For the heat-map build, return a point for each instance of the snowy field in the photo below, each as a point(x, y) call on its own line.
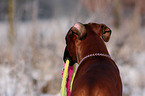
point(32, 65)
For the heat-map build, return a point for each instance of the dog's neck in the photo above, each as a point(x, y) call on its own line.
point(98, 47)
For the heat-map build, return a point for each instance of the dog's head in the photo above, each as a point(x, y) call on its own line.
point(79, 33)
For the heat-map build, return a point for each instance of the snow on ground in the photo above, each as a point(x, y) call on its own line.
point(32, 67)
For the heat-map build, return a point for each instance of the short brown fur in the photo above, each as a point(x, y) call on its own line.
point(98, 75)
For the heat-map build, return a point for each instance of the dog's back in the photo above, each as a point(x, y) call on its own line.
point(97, 76)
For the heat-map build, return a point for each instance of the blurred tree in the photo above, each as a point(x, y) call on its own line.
point(116, 13)
point(34, 12)
point(11, 4)
point(34, 30)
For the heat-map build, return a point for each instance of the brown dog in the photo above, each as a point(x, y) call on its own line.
point(97, 74)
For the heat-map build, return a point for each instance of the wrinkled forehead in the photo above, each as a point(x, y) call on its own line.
point(92, 27)
point(89, 27)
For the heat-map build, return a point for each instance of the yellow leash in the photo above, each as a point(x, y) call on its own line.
point(73, 75)
point(64, 79)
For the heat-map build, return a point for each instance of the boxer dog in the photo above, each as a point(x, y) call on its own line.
point(97, 74)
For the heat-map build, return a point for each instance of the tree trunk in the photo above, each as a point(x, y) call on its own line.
point(11, 4)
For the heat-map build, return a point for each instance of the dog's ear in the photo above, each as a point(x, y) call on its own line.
point(106, 32)
point(80, 30)
point(67, 56)
point(102, 30)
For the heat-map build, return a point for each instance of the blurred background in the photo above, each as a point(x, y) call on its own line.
point(32, 42)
